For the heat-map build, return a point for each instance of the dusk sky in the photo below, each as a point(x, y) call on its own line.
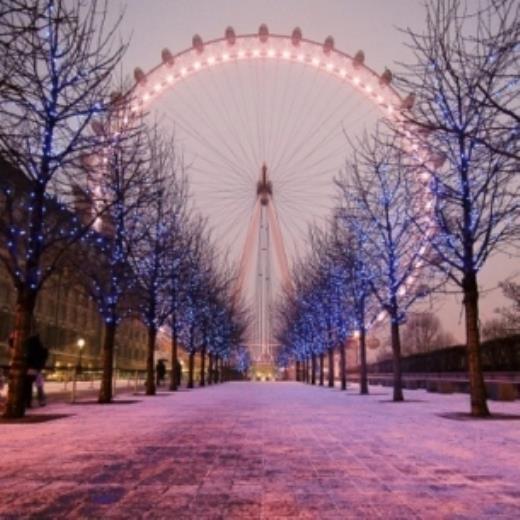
point(368, 25)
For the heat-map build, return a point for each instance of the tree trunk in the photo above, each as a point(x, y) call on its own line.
point(191, 368)
point(322, 368)
point(174, 384)
point(16, 398)
point(150, 373)
point(343, 366)
point(363, 377)
point(210, 368)
point(105, 391)
point(313, 369)
point(298, 371)
point(479, 407)
point(331, 367)
point(203, 366)
point(396, 350)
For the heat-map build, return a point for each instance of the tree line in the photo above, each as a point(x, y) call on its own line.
point(424, 201)
point(101, 193)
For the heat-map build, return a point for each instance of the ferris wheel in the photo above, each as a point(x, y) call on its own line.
point(262, 121)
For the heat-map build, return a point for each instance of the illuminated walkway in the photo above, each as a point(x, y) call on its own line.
point(271, 450)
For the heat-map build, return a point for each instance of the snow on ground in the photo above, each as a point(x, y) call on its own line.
point(263, 450)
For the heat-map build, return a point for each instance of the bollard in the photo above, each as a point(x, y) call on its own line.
point(136, 381)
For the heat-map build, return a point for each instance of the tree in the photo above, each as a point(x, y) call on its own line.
point(381, 207)
point(423, 332)
point(59, 64)
point(126, 185)
point(476, 194)
point(356, 271)
point(151, 260)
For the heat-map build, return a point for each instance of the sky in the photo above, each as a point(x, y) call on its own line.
point(370, 25)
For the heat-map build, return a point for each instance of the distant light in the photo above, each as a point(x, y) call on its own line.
point(316, 62)
point(197, 65)
point(211, 60)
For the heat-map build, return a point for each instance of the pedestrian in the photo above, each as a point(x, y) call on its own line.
point(36, 357)
point(160, 371)
point(40, 390)
point(178, 372)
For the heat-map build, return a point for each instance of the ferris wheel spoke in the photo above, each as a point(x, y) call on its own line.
point(305, 101)
point(330, 126)
point(226, 114)
point(246, 119)
point(230, 165)
point(207, 124)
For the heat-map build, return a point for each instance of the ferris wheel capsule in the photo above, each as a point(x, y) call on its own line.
point(231, 37)
point(408, 102)
point(167, 57)
point(198, 44)
point(359, 59)
point(296, 36)
point(386, 78)
point(328, 45)
point(139, 75)
point(263, 33)
point(97, 127)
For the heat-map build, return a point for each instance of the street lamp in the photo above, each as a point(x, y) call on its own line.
point(81, 344)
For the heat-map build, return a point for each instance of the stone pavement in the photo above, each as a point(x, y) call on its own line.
point(263, 451)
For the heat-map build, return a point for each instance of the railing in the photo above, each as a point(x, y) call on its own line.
point(70, 382)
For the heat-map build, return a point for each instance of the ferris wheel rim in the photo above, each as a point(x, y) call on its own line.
point(143, 91)
point(148, 88)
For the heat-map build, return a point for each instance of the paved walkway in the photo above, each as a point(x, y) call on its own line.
point(262, 451)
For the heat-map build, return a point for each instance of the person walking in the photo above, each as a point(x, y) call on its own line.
point(36, 357)
point(160, 372)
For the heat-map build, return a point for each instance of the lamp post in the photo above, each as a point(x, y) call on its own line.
point(81, 344)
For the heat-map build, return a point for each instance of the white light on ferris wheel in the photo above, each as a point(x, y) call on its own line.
point(343, 73)
point(225, 57)
point(197, 65)
point(330, 66)
point(271, 53)
point(211, 60)
point(256, 53)
point(316, 62)
point(286, 55)
point(169, 78)
point(301, 57)
point(241, 54)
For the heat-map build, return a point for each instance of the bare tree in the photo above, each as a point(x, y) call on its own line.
point(151, 261)
point(125, 185)
point(382, 200)
point(356, 271)
point(59, 62)
point(423, 332)
point(476, 191)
